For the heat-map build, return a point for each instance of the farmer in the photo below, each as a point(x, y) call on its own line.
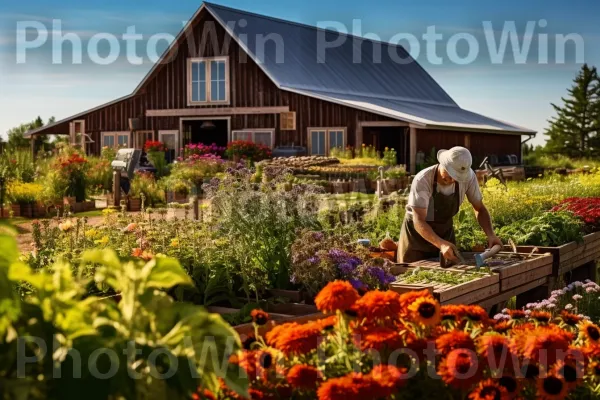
point(435, 197)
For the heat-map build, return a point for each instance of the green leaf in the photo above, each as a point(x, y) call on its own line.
point(168, 273)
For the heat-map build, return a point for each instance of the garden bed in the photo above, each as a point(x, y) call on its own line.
point(473, 286)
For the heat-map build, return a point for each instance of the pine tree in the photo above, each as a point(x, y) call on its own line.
point(575, 130)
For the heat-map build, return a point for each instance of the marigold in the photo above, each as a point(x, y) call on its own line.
point(454, 340)
point(489, 390)
point(378, 338)
point(552, 387)
point(259, 317)
point(337, 295)
point(389, 377)
point(303, 376)
point(354, 386)
point(541, 316)
point(406, 299)
point(496, 350)
point(293, 338)
point(460, 369)
point(378, 304)
point(589, 332)
point(425, 311)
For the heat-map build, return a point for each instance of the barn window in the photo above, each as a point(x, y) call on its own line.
point(258, 136)
point(288, 121)
point(322, 140)
point(115, 140)
point(208, 80)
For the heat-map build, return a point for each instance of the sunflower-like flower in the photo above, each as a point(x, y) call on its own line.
point(452, 312)
point(460, 369)
point(569, 318)
point(541, 316)
point(454, 340)
point(254, 362)
point(354, 386)
point(425, 311)
point(512, 385)
point(337, 295)
point(517, 314)
point(489, 390)
point(476, 314)
point(551, 340)
point(377, 304)
point(589, 333)
point(406, 299)
point(552, 387)
point(378, 338)
point(303, 376)
point(496, 350)
point(259, 317)
point(571, 370)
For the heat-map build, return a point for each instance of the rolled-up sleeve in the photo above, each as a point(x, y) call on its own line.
point(420, 193)
point(473, 191)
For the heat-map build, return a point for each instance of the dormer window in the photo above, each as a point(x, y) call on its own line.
point(208, 80)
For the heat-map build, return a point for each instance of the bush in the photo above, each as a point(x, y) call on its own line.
point(548, 229)
point(248, 151)
point(145, 184)
point(24, 193)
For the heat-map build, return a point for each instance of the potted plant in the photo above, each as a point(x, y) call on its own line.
point(144, 185)
point(397, 177)
point(25, 196)
point(157, 155)
point(71, 169)
point(245, 150)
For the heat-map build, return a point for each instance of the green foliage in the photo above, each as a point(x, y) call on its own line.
point(158, 160)
point(145, 184)
point(467, 230)
point(17, 165)
point(574, 131)
point(548, 229)
point(418, 275)
point(23, 193)
point(146, 332)
point(396, 172)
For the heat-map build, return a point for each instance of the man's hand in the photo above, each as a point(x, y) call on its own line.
point(494, 240)
point(449, 251)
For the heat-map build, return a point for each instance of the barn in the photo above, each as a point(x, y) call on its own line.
point(235, 75)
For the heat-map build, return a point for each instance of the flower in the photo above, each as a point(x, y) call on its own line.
point(389, 377)
point(517, 314)
point(175, 242)
point(303, 376)
point(378, 304)
point(131, 227)
point(569, 307)
point(259, 317)
point(495, 348)
point(577, 297)
point(379, 338)
point(143, 254)
point(354, 386)
point(476, 314)
point(460, 369)
point(426, 311)
point(569, 319)
point(511, 385)
point(551, 340)
point(541, 316)
point(454, 340)
point(293, 338)
point(203, 394)
point(589, 332)
point(488, 390)
point(65, 226)
point(552, 387)
point(337, 295)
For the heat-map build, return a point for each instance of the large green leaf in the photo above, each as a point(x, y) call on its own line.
point(166, 274)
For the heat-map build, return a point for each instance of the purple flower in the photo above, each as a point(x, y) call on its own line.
point(318, 235)
point(346, 268)
point(314, 260)
point(357, 284)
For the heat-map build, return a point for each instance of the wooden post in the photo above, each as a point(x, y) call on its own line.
point(117, 188)
point(413, 150)
point(32, 142)
point(468, 141)
point(358, 135)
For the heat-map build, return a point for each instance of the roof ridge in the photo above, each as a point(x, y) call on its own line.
point(306, 26)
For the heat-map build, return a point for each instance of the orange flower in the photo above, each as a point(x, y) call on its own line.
point(571, 371)
point(541, 316)
point(496, 350)
point(589, 332)
point(378, 304)
point(303, 376)
point(452, 312)
point(292, 338)
point(425, 311)
point(489, 390)
point(203, 395)
point(354, 386)
point(454, 340)
point(337, 295)
point(549, 339)
point(517, 314)
point(259, 317)
point(552, 387)
point(144, 255)
point(378, 338)
point(476, 314)
point(406, 299)
point(254, 362)
point(502, 326)
point(389, 377)
point(460, 369)
point(569, 319)
point(511, 384)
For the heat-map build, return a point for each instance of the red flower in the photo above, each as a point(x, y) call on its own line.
point(259, 317)
point(489, 390)
point(303, 376)
point(454, 340)
point(379, 338)
point(460, 369)
point(337, 295)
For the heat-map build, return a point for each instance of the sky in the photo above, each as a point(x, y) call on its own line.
point(47, 79)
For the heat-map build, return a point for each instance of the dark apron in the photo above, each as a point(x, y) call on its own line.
point(413, 247)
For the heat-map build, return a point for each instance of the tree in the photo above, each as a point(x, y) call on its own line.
point(575, 130)
point(16, 136)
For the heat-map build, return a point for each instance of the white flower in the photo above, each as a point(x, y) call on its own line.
point(590, 290)
point(569, 307)
point(577, 297)
point(505, 311)
point(527, 312)
point(578, 284)
point(551, 306)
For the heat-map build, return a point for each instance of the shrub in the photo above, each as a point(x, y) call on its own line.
point(548, 229)
point(395, 172)
point(24, 193)
point(248, 150)
point(145, 184)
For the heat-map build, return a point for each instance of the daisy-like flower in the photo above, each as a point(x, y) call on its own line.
point(541, 316)
point(425, 311)
point(589, 332)
point(552, 387)
point(303, 376)
point(259, 317)
point(389, 377)
point(577, 297)
point(553, 341)
point(569, 307)
point(454, 340)
point(476, 314)
point(460, 369)
point(337, 295)
point(571, 370)
point(569, 319)
point(65, 226)
point(517, 314)
point(378, 304)
point(488, 390)
point(495, 349)
point(379, 338)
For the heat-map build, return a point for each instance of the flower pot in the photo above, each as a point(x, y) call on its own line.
point(134, 204)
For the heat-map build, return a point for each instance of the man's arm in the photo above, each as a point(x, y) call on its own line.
point(485, 221)
point(447, 249)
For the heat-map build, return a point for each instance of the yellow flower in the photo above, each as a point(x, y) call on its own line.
point(91, 233)
point(108, 211)
point(175, 243)
point(102, 241)
point(65, 226)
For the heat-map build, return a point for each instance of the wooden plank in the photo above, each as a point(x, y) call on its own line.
point(523, 266)
point(405, 288)
point(380, 124)
point(472, 286)
point(592, 237)
point(199, 112)
point(475, 296)
point(528, 276)
point(505, 295)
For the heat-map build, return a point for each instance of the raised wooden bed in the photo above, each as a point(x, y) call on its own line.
point(571, 255)
point(464, 293)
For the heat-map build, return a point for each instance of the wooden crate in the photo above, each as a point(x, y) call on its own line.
point(465, 293)
point(571, 255)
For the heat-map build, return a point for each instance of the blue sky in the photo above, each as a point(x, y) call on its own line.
point(518, 93)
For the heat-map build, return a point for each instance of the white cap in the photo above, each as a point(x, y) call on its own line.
point(457, 161)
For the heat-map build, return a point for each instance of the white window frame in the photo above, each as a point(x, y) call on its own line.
point(207, 65)
point(116, 135)
point(170, 132)
point(253, 132)
point(327, 131)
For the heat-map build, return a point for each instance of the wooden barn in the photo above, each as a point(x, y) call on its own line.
point(233, 75)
